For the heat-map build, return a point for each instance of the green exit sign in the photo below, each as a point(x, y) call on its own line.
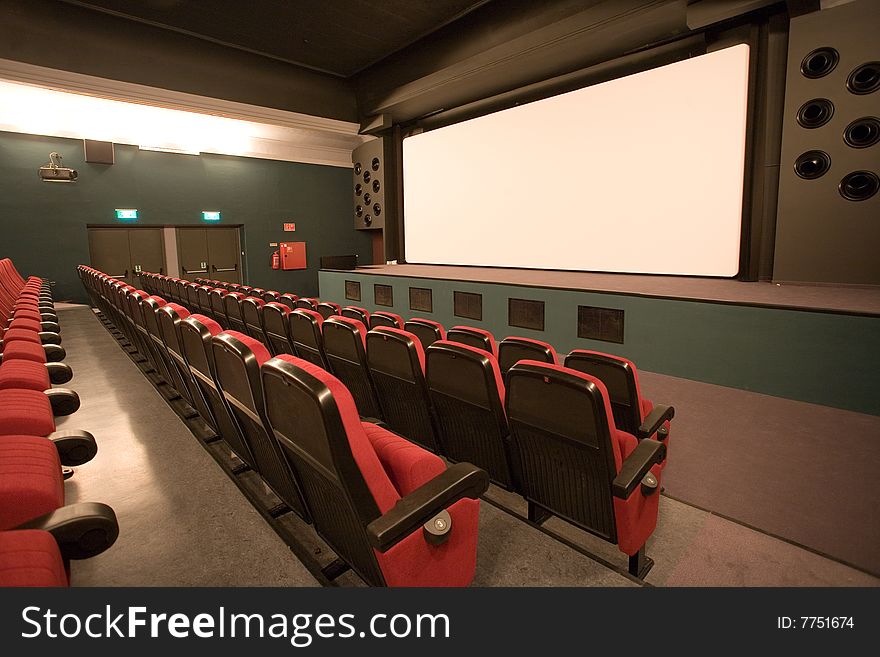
point(210, 215)
point(126, 214)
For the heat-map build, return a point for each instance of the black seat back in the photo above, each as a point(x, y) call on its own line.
point(511, 350)
point(344, 346)
point(467, 393)
point(288, 299)
point(382, 318)
point(561, 433)
point(328, 309)
point(218, 312)
point(238, 358)
point(426, 330)
point(252, 314)
point(397, 361)
point(619, 377)
point(196, 332)
point(232, 308)
point(305, 334)
point(311, 414)
point(359, 314)
point(276, 328)
point(473, 337)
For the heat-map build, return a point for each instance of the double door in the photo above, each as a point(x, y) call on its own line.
point(209, 253)
point(125, 252)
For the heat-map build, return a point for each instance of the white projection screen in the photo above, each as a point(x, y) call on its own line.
point(642, 174)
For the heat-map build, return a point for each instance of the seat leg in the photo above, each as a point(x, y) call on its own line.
point(538, 514)
point(640, 564)
point(334, 569)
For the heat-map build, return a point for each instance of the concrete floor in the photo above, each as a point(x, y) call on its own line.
point(183, 522)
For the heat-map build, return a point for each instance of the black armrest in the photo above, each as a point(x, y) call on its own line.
point(377, 422)
point(74, 446)
point(64, 401)
point(636, 466)
point(54, 327)
point(49, 337)
point(411, 512)
point(655, 419)
point(59, 372)
point(54, 352)
point(48, 316)
point(46, 305)
point(81, 530)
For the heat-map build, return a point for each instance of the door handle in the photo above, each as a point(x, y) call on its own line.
point(233, 268)
point(125, 275)
point(191, 271)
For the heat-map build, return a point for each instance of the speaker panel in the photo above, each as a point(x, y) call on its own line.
point(370, 184)
point(827, 229)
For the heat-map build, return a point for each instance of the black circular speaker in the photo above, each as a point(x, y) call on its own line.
point(812, 165)
point(375, 164)
point(368, 199)
point(859, 185)
point(864, 79)
point(819, 62)
point(376, 186)
point(377, 209)
point(358, 168)
point(366, 176)
point(359, 211)
point(358, 189)
point(863, 132)
point(815, 113)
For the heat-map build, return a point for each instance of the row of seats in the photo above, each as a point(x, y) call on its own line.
point(392, 511)
point(39, 534)
point(451, 399)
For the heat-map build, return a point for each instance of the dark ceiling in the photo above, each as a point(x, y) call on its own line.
point(341, 37)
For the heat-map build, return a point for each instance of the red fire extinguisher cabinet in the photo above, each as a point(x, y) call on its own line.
point(293, 255)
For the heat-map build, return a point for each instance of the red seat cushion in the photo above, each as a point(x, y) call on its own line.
point(11, 335)
point(25, 323)
point(25, 411)
point(30, 557)
point(24, 349)
point(29, 314)
point(31, 484)
point(24, 374)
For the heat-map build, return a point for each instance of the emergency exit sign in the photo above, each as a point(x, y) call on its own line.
point(289, 228)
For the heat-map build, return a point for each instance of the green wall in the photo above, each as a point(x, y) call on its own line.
point(823, 358)
point(43, 225)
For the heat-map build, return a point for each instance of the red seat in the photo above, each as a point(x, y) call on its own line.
point(426, 330)
point(397, 365)
point(390, 509)
point(382, 318)
point(610, 481)
point(354, 312)
point(467, 393)
point(512, 349)
point(345, 348)
point(24, 374)
point(237, 359)
point(632, 413)
point(31, 484)
point(473, 337)
point(25, 412)
point(306, 336)
point(30, 557)
point(328, 309)
point(196, 333)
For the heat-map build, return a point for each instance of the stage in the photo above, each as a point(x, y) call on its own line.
point(812, 343)
point(856, 300)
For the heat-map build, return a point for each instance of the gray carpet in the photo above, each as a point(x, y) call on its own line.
point(800, 471)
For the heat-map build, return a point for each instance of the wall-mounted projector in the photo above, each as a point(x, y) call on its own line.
point(54, 172)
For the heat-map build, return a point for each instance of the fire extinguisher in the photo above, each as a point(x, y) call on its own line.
point(276, 260)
